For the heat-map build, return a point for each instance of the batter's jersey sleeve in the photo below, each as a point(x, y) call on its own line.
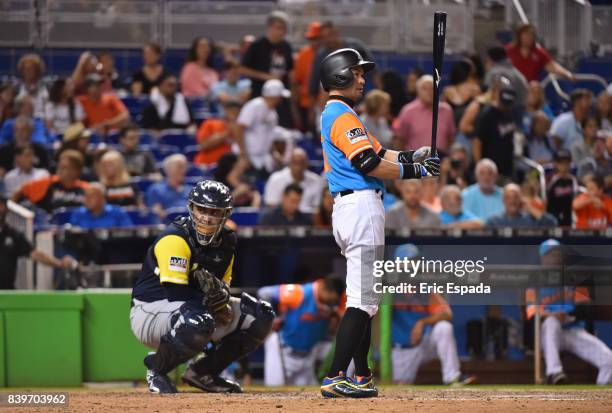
point(348, 134)
point(343, 136)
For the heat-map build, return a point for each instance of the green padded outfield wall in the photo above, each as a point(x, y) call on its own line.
point(42, 338)
point(110, 350)
point(51, 339)
point(2, 354)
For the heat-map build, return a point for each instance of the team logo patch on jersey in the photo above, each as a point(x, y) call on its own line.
point(178, 264)
point(356, 134)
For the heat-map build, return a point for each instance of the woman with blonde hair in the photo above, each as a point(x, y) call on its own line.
point(114, 176)
point(377, 110)
point(31, 69)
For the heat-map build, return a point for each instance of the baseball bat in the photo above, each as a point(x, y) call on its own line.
point(439, 36)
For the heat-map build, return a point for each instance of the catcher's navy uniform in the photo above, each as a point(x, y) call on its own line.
point(181, 301)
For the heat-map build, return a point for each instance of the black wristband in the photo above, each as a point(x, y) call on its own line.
point(405, 156)
point(382, 152)
point(411, 171)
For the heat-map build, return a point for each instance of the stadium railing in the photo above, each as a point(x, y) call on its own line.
point(561, 97)
point(391, 25)
point(22, 219)
point(563, 25)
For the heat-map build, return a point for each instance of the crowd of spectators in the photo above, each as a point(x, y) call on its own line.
point(74, 143)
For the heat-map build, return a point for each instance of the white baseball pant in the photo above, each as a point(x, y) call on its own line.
point(150, 321)
point(282, 367)
point(578, 341)
point(440, 343)
point(358, 222)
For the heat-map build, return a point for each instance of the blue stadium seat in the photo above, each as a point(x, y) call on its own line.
point(135, 105)
point(177, 138)
point(143, 217)
point(174, 213)
point(191, 151)
point(312, 147)
point(203, 108)
point(245, 216)
point(62, 216)
point(95, 139)
point(146, 138)
point(161, 151)
point(113, 138)
point(192, 180)
point(143, 183)
point(194, 171)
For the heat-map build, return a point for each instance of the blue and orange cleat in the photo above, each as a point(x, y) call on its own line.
point(342, 386)
point(366, 382)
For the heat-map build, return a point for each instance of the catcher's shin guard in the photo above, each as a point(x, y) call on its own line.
point(190, 333)
point(239, 343)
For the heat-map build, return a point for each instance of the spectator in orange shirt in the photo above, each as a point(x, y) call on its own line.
point(302, 70)
point(216, 136)
point(62, 190)
point(593, 209)
point(102, 112)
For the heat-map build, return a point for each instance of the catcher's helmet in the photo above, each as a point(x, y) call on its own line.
point(210, 204)
point(336, 68)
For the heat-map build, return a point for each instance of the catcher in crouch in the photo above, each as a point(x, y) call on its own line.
point(181, 301)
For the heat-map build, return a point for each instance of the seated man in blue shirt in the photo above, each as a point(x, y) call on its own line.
point(96, 213)
point(25, 107)
point(484, 198)
point(519, 212)
point(452, 214)
point(172, 192)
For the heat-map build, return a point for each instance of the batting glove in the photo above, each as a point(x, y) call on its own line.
point(414, 156)
point(429, 167)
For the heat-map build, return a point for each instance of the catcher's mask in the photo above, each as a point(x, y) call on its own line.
point(209, 207)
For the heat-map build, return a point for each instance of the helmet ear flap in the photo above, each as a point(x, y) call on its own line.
point(344, 78)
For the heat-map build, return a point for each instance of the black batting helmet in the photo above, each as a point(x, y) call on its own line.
point(210, 204)
point(336, 68)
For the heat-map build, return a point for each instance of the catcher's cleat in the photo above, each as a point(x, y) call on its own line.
point(366, 382)
point(342, 386)
point(210, 383)
point(160, 383)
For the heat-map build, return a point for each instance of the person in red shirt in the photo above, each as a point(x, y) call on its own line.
point(530, 58)
point(302, 71)
point(216, 136)
point(103, 112)
point(593, 209)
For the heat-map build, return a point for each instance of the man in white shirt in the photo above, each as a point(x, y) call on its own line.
point(296, 172)
point(257, 122)
point(24, 170)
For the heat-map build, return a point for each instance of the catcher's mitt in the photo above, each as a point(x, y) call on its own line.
point(216, 292)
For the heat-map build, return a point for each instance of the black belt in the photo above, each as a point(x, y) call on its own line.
point(350, 191)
